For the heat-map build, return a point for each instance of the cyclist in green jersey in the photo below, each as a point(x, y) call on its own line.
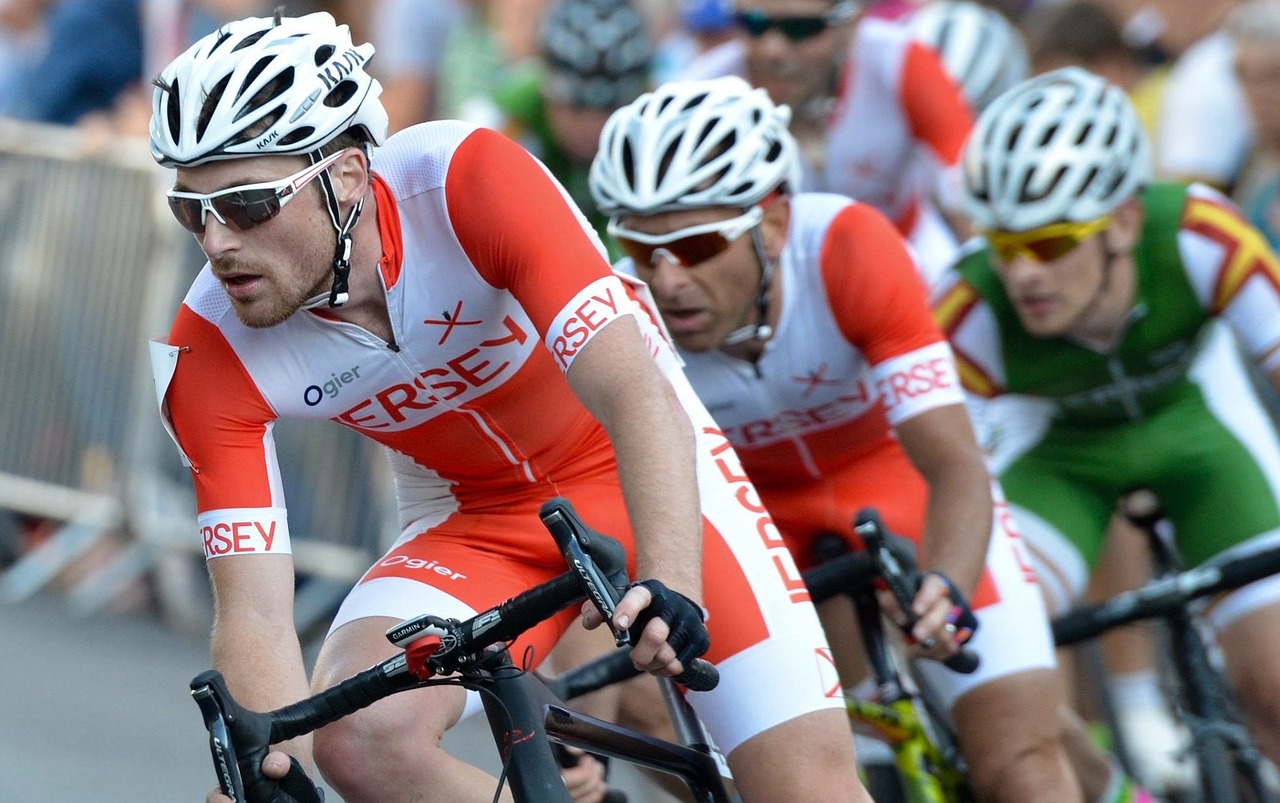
point(1100, 307)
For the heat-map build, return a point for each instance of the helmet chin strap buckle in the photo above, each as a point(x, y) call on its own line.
point(339, 293)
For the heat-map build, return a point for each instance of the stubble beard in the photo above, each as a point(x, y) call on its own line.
point(278, 302)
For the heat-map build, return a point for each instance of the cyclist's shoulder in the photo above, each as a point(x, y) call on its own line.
point(417, 158)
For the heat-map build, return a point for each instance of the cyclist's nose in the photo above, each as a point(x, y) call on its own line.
point(669, 276)
point(218, 238)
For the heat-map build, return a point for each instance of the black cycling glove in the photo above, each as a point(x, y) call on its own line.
point(294, 787)
point(961, 621)
point(684, 618)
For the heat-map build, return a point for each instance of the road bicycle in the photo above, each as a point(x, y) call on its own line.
point(1231, 768)
point(904, 714)
point(524, 714)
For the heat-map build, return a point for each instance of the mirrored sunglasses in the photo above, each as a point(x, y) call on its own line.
point(1046, 243)
point(245, 206)
point(796, 29)
point(687, 247)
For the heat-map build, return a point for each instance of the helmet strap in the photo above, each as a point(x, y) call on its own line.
point(339, 293)
point(760, 330)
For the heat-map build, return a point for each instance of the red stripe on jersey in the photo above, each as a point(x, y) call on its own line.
point(220, 418)
point(876, 293)
point(389, 230)
point(935, 105)
point(1245, 251)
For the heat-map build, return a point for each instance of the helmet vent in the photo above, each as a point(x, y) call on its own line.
point(248, 41)
point(171, 111)
point(297, 135)
point(223, 36)
point(253, 74)
point(258, 128)
point(628, 163)
point(324, 53)
point(340, 94)
point(1083, 136)
point(211, 102)
point(272, 90)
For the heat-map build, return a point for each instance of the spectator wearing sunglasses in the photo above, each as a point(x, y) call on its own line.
point(876, 114)
point(437, 292)
point(806, 330)
point(1097, 310)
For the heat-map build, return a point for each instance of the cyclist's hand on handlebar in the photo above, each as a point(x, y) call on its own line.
point(666, 627)
point(943, 620)
point(294, 785)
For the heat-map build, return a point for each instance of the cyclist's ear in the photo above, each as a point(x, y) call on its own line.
point(774, 225)
point(1126, 226)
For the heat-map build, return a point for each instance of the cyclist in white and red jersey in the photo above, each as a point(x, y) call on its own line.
point(1100, 305)
point(876, 114)
point(439, 294)
point(807, 333)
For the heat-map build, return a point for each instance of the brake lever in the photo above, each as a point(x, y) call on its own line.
point(599, 561)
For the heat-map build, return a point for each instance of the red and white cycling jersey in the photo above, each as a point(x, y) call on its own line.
point(855, 353)
point(896, 105)
point(494, 284)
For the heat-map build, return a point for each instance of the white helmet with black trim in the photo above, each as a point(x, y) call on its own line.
point(979, 47)
point(1064, 146)
point(694, 144)
point(261, 86)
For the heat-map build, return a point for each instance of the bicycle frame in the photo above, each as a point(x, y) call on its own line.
point(1220, 741)
point(523, 712)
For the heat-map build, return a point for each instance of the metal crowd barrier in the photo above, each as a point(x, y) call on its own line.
point(91, 267)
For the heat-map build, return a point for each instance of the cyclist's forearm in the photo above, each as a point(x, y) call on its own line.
point(262, 663)
point(958, 525)
point(656, 466)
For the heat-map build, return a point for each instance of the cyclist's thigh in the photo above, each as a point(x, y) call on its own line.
point(766, 641)
point(1013, 636)
point(1220, 483)
point(1061, 517)
point(472, 561)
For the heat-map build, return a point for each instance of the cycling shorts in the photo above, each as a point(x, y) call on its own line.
point(766, 640)
point(1211, 455)
point(1013, 633)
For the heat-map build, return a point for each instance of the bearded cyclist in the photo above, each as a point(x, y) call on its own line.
point(444, 282)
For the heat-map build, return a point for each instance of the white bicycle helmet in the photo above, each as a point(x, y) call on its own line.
point(263, 86)
point(1064, 146)
point(598, 53)
point(694, 144)
point(981, 49)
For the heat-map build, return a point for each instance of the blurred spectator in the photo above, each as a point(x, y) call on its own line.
point(1203, 130)
point(875, 113)
point(980, 48)
point(81, 73)
point(411, 37)
point(22, 43)
point(596, 55)
point(1255, 28)
point(1085, 33)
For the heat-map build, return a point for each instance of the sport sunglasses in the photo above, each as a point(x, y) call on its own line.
point(688, 247)
point(245, 206)
point(796, 29)
point(1046, 243)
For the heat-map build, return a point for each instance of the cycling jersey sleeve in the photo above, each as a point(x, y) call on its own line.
point(936, 109)
point(1233, 270)
point(974, 336)
point(239, 497)
point(880, 304)
point(523, 234)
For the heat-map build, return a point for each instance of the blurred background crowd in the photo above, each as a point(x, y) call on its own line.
point(1205, 74)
